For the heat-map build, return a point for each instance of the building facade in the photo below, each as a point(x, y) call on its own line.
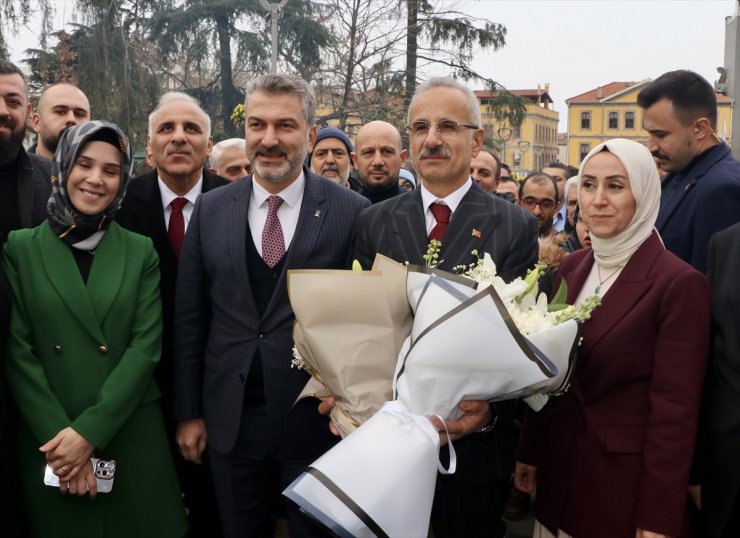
point(531, 145)
point(611, 111)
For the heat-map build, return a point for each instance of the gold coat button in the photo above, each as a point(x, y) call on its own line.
point(103, 349)
point(57, 349)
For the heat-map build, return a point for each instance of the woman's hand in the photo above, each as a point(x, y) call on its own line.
point(525, 477)
point(66, 453)
point(647, 534)
point(84, 482)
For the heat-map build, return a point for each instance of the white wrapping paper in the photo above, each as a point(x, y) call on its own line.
point(379, 481)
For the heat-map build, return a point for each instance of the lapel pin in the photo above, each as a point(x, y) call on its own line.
point(476, 233)
point(317, 213)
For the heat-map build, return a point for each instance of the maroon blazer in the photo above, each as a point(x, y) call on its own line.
point(613, 454)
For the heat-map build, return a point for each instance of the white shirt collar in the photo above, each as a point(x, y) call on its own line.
point(452, 200)
point(291, 195)
point(168, 195)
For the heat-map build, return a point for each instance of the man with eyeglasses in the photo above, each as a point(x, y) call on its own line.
point(539, 195)
point(444, 134)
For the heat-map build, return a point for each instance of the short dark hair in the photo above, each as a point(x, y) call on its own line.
point(691, 95)
point(506, 167)
point(538, 178)
point(9, 68)
point(557, 164)
point(504, 179)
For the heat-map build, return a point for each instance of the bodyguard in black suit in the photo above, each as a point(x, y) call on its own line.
point(719, 440)
point(234, 385)
point(179, 141)
point(444, 134)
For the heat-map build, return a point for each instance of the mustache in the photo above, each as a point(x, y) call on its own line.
point(7, 122)
point(658, 155)
point(178, 149)
point(273, 152)
point(330, 168)
point(434, 152)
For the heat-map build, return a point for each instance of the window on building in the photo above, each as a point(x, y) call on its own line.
point(585, 120)
point(629, 120)
point(613, 120)
point(585, 148)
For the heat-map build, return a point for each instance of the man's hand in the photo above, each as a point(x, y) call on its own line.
point(191, 439)
point(66, 453)
point(325, 407)
point(525, 477)
point(477, 415)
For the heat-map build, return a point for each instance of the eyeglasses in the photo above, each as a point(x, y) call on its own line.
point(545, 204)
point(445, 128)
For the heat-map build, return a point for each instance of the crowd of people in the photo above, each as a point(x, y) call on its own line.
point(145, 321)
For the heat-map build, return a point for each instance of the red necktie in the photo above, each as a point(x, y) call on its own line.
point(176, 228)
point(273, 243)
point(441, 214)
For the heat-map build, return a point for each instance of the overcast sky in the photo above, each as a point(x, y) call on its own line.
point(577, 45)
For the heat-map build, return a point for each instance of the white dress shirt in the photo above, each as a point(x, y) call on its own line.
point(287, 214)
point(187, 209)
point(452, 200)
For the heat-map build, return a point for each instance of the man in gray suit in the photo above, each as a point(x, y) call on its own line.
point(234, 385)
point(444, 132)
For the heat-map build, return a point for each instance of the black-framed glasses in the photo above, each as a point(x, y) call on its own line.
point(545, 203)
point(446, 128)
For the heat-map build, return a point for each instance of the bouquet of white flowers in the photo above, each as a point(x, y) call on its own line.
point(473, 337)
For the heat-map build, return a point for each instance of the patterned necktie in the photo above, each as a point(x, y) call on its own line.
point(441, 214)
point(273, 243)
point(176, 227)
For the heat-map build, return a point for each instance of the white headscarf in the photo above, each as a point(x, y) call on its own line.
point(645, 183)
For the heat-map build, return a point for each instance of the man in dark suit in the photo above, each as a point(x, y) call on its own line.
point(445, 133)
point(179, 141)
point(25, 186)
point(701, 193)
point(720, 440)
point(234, 386)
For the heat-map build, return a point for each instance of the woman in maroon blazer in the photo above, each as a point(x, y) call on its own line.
point(611, 457)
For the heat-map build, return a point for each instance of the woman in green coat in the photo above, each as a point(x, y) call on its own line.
point(85, 336)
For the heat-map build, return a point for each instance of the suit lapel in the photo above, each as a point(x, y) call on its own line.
point(409, 225)
point(688, 182)
point(626, 291)
point(237, 237)
point(62, 271)
point(311, 218)
point(471, 225)
point(106, 274)
point(149, 215)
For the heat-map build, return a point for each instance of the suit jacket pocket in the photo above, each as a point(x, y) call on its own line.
point(625, 438)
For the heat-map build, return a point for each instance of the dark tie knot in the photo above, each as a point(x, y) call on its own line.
point(178, 203)
point(441, 212)
point(273, 204)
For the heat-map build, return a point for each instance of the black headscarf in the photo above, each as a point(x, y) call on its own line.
point(81, 231)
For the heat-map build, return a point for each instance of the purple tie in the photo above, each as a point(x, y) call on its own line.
point(441, 214)
point(273, 243)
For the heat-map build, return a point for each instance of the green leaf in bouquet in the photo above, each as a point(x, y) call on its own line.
point(562, 294)
point(532, 278)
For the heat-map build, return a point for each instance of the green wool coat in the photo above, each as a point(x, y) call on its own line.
point(83, 355)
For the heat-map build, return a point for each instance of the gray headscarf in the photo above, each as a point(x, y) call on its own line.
point(82, 231)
